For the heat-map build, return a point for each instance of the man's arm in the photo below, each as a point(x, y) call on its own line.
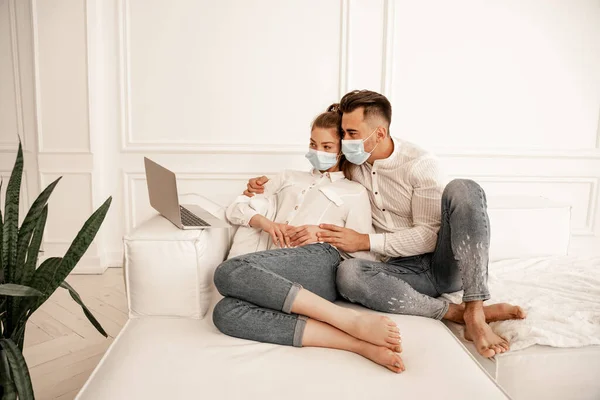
point(256, 186)
point(426, 204)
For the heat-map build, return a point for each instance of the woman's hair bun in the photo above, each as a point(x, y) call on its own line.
point(335, 107)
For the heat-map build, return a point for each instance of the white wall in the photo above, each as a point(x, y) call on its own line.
point(507, 93)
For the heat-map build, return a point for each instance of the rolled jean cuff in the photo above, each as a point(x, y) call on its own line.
point(299, 331)
point(443, 311)
point(476, 297)
point(290, 298)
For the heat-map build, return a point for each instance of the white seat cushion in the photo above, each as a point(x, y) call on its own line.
point(161, 358)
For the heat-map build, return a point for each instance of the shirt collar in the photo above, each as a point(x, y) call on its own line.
point(333, 176)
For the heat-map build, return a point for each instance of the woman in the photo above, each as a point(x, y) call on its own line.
point(283, 294)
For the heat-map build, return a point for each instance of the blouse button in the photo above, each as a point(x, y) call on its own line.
point(295, 208)
point(376, 192)
point(383, 209)
point(373, 172)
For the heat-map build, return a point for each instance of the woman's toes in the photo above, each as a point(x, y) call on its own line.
point(394, 340)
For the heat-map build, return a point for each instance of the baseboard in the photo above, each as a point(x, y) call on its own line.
point(112, 259)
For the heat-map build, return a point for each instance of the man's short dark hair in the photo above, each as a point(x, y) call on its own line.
point(373, 103)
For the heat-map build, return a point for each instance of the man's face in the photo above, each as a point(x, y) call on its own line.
point(355, 127)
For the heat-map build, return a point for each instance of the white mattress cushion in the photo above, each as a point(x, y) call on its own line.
point(162, 358)
point(543, 372)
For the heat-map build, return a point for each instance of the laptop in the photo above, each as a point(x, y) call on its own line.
point(162, 191)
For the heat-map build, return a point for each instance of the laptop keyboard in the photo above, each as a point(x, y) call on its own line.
point(190, 219)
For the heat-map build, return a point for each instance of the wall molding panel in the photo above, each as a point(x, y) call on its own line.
point(164, 100)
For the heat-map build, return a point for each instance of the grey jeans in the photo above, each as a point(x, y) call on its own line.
point(260, 288)
point(411, 285)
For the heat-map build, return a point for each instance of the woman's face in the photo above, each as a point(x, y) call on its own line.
point(325, 139)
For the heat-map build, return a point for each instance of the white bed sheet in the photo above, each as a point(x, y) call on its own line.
point(562, 297)
point(560, 294)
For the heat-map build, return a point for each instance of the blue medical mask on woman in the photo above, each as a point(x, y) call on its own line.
point(354, 150)
point(321, 160)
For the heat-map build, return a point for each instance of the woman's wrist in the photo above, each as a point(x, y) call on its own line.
point(259, 221)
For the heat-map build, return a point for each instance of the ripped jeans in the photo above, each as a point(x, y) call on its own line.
point(411, 285)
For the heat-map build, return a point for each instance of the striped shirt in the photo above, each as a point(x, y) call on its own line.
point(405, 191)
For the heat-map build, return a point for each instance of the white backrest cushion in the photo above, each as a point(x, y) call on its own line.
point(524, 227)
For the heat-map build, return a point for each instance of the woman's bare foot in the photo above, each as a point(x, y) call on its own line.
point(375, 329)
point(493, 313)
point(488, 344)
point(383, 356)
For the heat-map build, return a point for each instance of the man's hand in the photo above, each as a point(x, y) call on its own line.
point(303, 235)
point(255, 185)
point(344, 239)
point(279, 232)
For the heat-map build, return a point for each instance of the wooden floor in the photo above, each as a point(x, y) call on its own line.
point(61, 346)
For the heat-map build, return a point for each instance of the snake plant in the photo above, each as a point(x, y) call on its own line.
point(25, 286)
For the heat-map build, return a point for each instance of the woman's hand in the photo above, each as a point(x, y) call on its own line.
point(279, 232)
point(303, 235)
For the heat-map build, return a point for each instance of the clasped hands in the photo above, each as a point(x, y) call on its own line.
point(288, 236)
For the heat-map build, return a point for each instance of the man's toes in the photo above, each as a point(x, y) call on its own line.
point(521, 314)
point(394, 329)
point(397, 349)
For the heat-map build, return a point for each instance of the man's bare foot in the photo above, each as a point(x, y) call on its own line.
point(493, 313)
point(375, 329)
point(382, 356)
point(503, 312)
point(487, 343)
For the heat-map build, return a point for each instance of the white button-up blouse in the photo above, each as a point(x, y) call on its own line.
point(301, 198)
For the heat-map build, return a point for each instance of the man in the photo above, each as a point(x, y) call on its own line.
point(432, 240)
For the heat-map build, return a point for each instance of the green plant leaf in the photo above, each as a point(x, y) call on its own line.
point(28, 227)
point(40, 281)
point(75, 296)
point(8, 390)
point(2, 266)
point(78, 248)
point(10, 230)
point(18, 368)
point(34, 247)
point(32, 257)
point(11, 289)
point(11, 218)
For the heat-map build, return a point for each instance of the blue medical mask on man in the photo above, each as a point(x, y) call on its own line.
point(321, 160)
point(354, 150)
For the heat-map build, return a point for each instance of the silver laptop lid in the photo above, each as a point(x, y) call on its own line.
point(162, 191)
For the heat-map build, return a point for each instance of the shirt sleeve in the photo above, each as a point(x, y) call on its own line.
point(426, 204)
point(243, 208)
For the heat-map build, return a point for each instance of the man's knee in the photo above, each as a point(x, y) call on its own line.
point(224, 314)
point(464, 192)
point(348, 278)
